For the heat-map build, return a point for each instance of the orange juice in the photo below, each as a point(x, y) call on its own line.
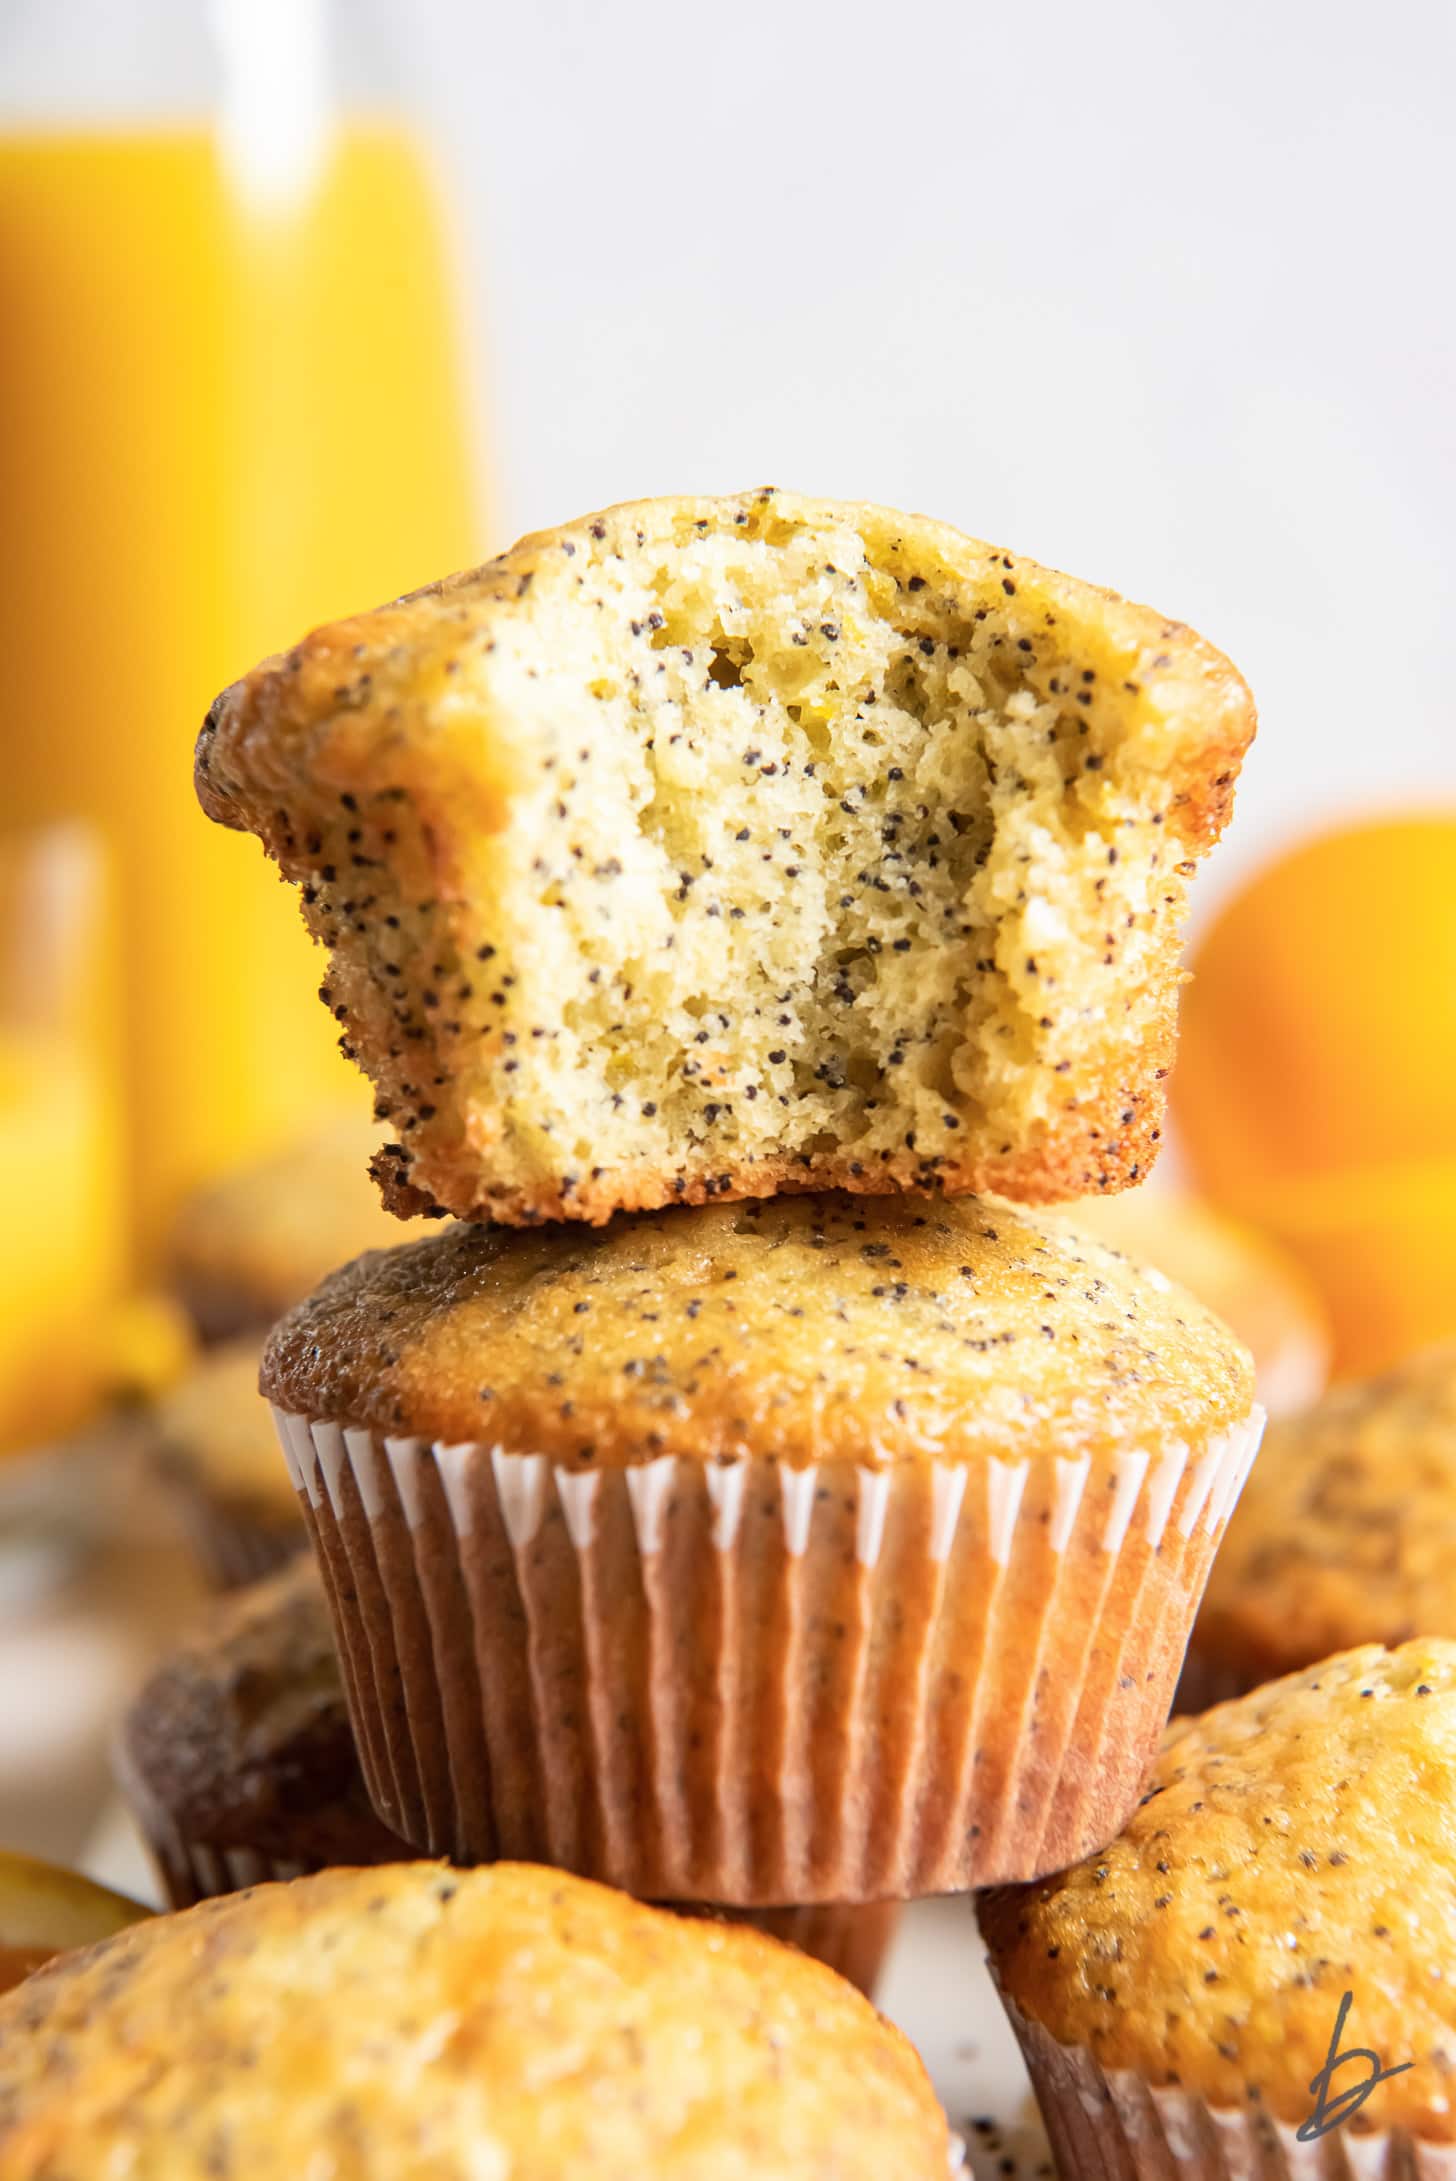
point(62, 1266)
point(222, 418)
point(58, 1277)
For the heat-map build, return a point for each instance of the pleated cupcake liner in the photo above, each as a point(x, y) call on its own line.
point(750, 1683)
point(1111, 2124)
point(190, 1869)
point(851, 1941)
point(191, 1872)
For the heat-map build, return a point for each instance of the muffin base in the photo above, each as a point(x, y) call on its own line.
point(1110, 2124)
point(851, 1941)
point(746, 1683)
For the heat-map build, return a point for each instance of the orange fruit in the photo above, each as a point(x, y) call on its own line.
point(45, 1910)
point(1319, 1031)
point(1380, 1246)
point(1315, 1092)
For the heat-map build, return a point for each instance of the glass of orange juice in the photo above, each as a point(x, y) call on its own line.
point(61, 1270)
point(230, 406)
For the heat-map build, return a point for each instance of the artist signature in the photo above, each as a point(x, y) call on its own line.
point(1333, 2111)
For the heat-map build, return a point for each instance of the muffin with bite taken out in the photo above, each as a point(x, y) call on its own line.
point(712, 848)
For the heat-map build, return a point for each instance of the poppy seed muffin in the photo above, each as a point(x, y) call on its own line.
point(255, 1241)
point(1348, 1534)
point(823, 1549)
point(1238, 1274)
point(717, 847)
point(460, 2026)
point(239, 1765)
point(1177, 1994)
point(213, 1444)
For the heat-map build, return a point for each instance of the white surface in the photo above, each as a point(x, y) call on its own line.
point(1157, 294)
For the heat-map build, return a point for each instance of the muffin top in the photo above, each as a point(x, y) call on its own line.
point(212, 1431)
point(1347, 1529)
point(473, 2024)
point(242, 1736)
point(1297, 1844)
point(804, 1328)
point(1258, 1291)
point(252, 1243)
point(713, 846)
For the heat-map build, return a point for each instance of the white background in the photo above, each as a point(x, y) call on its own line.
point(1161, 294)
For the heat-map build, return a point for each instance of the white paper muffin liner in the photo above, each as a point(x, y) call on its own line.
point(1111, 2124)
point(753, 1684)
point(851, 1941)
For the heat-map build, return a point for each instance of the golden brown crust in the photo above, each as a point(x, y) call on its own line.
point(1297, 1844)
point(802, 1329)
point(451, 2024)
point(1241, 1276)
point(367, 716)
point(1066, 1163)
point(1346, 1532)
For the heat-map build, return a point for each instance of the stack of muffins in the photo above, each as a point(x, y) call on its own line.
point(765, 1550)
point(740, 1504)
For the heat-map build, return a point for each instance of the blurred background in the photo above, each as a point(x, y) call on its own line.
point(301, 306)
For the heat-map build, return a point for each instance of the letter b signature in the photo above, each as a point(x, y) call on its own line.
point(1331, 2111)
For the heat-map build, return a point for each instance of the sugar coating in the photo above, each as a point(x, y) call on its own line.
point(454, 2026)
point(1296, 1844)
point(803, 1328)
point(716, 847)
point(1347, 1529)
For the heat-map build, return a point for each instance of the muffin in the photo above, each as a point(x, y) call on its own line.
point(828, 1549)
point(1243, 1278)
point(1178, 1995)
point(254, 1242)
point(460, 2026)
point(1347, 1534)
point(717, 847)
point(213, 1444)
point(237, 1759)
point(239, 1765)
point(852, 1940)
